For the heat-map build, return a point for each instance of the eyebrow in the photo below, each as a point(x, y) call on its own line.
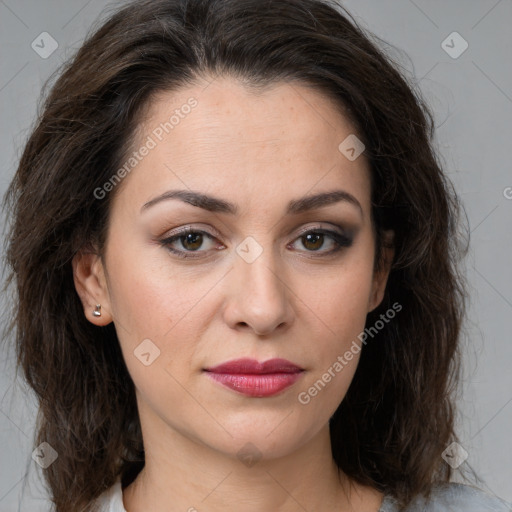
point(217, 205)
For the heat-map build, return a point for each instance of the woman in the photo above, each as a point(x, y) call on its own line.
point(235, 259)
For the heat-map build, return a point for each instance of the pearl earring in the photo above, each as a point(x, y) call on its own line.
point(97, 310)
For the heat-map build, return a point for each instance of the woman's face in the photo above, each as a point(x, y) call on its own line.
point(250, 282)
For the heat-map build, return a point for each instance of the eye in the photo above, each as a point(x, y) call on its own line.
point(314, 239)
point(192, 240)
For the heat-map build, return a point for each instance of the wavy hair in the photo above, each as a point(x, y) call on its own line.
point(398, 415)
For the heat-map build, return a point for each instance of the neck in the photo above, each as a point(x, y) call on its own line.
point(182, 474)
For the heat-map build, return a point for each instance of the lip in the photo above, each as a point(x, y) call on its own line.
point(251, 366)
point(251, 378)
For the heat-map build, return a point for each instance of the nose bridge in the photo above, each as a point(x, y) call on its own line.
point(258, 268)
point(261, 299)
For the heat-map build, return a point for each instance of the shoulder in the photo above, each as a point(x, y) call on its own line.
point(111, 500)
point(452, 497)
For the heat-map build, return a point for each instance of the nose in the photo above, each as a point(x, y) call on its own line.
point(259, 296)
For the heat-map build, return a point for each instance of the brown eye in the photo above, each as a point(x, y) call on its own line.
point(192, 241)
point(313, 241)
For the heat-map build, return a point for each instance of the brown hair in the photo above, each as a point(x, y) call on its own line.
point(398, 415)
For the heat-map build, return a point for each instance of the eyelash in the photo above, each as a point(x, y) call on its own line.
point(340, 240)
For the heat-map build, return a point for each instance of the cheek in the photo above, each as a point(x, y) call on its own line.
point(340, 298)
point(340, 305)
point(152, 300)
point(147, 296)
point(341, 311)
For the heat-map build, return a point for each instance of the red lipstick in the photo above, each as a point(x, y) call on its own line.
point(251, 378)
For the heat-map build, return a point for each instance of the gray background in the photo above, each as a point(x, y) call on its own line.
point(471, 96)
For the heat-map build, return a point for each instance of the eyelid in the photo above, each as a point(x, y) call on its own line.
point(320, 227)
point(338, 235)
point(205, 229)
point(211, 231)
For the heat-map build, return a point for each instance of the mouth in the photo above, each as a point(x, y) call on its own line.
point(254, 379)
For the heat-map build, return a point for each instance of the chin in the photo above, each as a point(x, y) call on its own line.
point(259, 440)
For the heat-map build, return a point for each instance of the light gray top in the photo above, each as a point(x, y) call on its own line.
point(451, 497)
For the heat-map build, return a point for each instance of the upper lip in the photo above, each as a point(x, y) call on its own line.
point(251, 366)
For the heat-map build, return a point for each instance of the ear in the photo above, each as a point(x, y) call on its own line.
point(91, 286)
point(380, 277)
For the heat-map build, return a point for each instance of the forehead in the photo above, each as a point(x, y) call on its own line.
point(287, 112)
point(224, 136)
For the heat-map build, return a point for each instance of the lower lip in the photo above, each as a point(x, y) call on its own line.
point(256, 385)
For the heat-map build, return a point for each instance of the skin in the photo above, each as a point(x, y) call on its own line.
point(294, 301)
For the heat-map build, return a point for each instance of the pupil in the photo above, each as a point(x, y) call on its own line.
point(192, 238)
point(195, 240)
point(318, 236)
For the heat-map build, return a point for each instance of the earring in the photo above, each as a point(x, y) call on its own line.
point(97, 310)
